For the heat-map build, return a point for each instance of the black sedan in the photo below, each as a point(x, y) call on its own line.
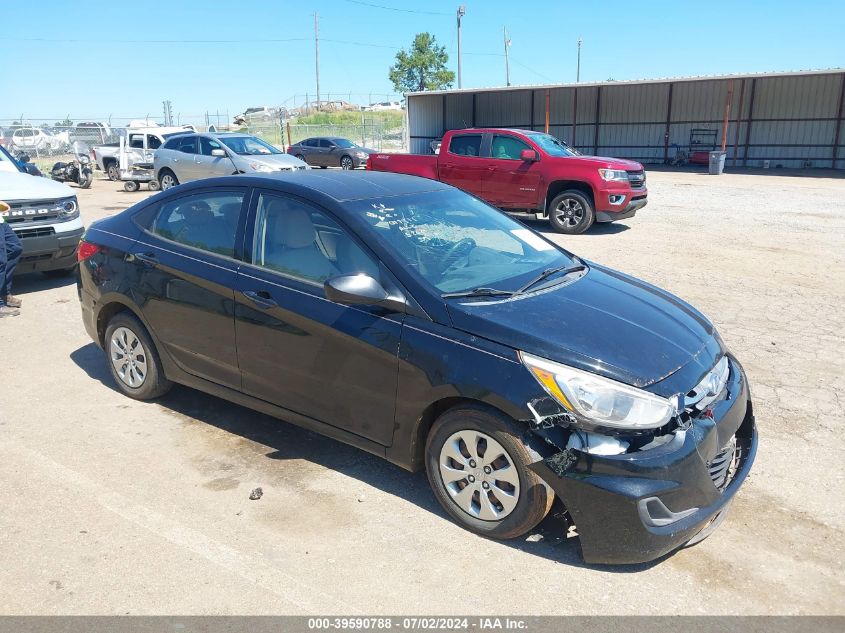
point(331, 151)
point(414, 321)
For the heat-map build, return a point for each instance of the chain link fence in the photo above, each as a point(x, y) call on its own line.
point(376, 134)
point(47, 140)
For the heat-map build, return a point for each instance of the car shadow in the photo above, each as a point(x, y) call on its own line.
point(599, 228)
point(26, 283)
point(286, 441)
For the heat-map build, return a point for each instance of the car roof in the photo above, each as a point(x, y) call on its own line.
point(340, 186)
point(486, 130)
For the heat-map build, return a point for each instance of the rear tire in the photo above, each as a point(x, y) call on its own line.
point(520, 507)
point(167, 179)
point(571, 212)
point(113, 171)
point(301, 157)
point(133, 360)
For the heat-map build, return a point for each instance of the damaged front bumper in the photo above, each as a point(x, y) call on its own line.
point(636, 507)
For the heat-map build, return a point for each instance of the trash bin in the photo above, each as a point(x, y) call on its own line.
point(717, 162)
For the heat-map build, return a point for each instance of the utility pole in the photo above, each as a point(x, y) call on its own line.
point(507, 59)
point(317, 53)
point(578, 68)
point(461, 12)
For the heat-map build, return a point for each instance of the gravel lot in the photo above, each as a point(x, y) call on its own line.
point(117, 506)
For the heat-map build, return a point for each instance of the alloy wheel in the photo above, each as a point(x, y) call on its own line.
point(479, 475)
point(128, 357)
point(346, 163)
point(569, 212)
point(167, 182)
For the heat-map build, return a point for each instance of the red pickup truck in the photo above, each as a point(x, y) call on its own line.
point(527, 172)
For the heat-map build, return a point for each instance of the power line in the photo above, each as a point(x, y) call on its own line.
point(380, 6)
point(124, 41)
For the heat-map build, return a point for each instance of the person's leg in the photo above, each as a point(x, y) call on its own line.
point(14, 249)
point(3, 263)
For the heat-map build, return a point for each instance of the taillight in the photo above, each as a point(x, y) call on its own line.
point(86, 250)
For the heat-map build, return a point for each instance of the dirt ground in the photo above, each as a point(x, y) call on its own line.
point(116, 506)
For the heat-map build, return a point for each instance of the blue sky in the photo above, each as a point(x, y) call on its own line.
point(111, 70)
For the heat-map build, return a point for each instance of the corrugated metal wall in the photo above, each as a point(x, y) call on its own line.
point(789, 121)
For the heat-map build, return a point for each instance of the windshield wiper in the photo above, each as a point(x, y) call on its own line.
point(478, 292)
point(548, 273)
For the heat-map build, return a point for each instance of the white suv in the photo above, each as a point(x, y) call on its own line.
point(44, 214)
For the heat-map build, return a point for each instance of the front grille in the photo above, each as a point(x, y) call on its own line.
point(32, 210)
point(726, 464)
point(40, 231)
point(636, 179)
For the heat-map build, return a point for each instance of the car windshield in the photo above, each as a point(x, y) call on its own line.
point(553, 146)
point(248, 145)
point(458, 243)
point(343, 143)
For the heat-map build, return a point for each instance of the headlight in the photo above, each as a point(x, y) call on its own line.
point(84, 160)
point(614, 174)
point(69, 208)
point(600, 401)
point(361, 154)
point(261, 167)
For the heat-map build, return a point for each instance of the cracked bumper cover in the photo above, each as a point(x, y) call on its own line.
point(612, 498)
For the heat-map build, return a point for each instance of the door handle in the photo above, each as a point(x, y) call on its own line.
point(148, 259)
point(261, 298)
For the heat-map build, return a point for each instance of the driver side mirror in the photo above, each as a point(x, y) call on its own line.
point(529, 155)
point(362, 290)
point(219, 153)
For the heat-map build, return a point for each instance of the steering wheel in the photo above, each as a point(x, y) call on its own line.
point(454, 252)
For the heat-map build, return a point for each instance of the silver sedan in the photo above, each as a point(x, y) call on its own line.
point(187, 157)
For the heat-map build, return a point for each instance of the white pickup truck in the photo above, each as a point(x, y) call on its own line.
point(45, 216)
point(106, 156)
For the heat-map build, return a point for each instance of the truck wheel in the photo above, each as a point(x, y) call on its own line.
point(571, 212)
point(133, 360)
point(113, 171)
point(131, 186)
point(476, 465)
point(153, 185)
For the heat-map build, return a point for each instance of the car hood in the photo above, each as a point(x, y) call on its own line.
point(273, 159)
point(604, 322)
point(604, 162)
point(20, 186)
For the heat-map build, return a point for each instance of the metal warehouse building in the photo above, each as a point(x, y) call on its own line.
point(775, 119)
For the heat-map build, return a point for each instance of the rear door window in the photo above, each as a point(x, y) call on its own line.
point(153, 142)
point(466, 145)
point(188, 144)
point(206, 220)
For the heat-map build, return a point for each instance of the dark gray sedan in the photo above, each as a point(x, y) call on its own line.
point(331, 151)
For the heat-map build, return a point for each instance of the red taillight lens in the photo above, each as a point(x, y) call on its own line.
point(86, 250)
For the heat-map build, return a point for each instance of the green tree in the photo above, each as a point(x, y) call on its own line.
point(423, 67)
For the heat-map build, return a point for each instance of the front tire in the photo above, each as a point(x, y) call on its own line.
point(167, 179)
point(571, 212)
point(86, 179)
point(476, 464)
point(133, 360)
point(347, 163)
